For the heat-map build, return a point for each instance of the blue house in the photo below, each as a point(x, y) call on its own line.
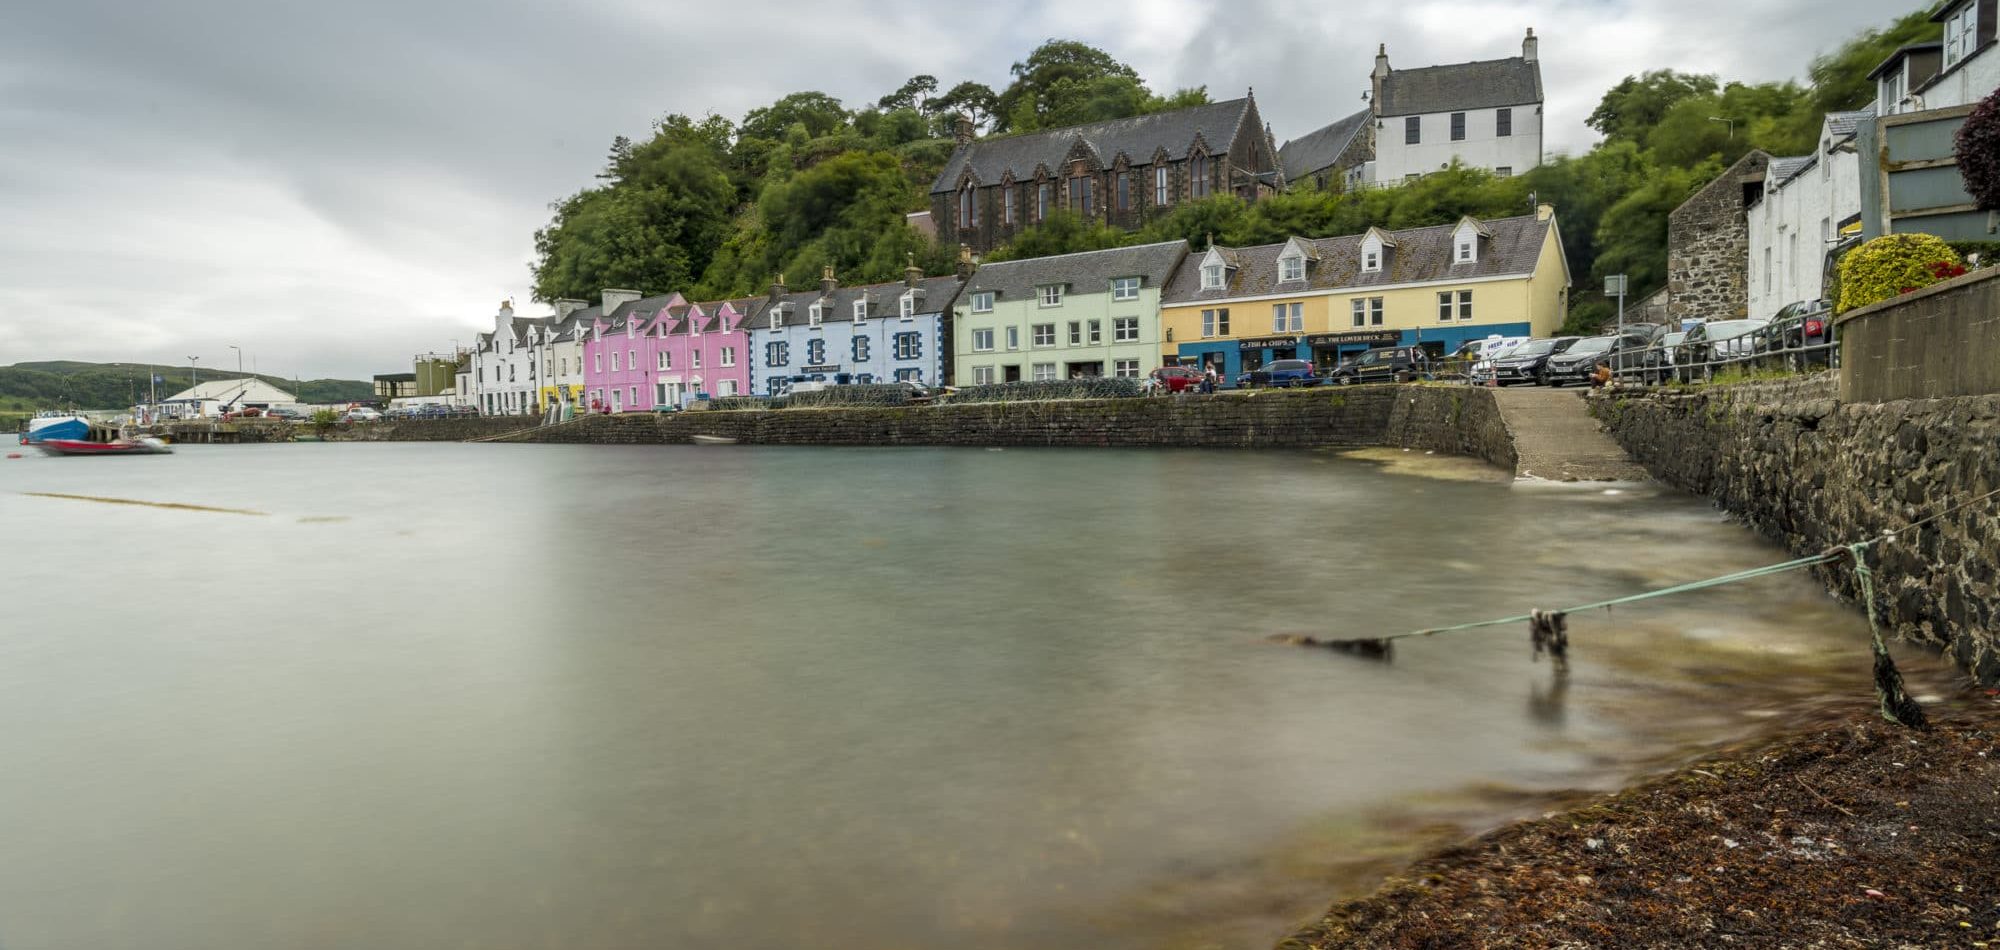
point(840, 336)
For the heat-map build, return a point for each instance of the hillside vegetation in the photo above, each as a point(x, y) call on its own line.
point(62, 384)
point(723, 207)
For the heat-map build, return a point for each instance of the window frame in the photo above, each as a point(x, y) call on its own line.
point(982, 302)
point(1119, 369)
point(1036, 334)
point(1036, 370)
point(727, 357)
point(1458, 127)
point(1120, 286)
point(1123, 330)
point(1465, 305)
point(988, 332)
point(1163, 192)
point(983, 375)
point(1413, 130)
point(860, 309)
point(1291, 268)
point(1503, 123)
point(1049, 295)
point(1447, 306)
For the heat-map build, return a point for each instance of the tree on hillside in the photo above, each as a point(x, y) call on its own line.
point(914, 94)
point(976, 101)
point(1068, 79)
point(1840, 79)
point(655, 227)
point(816, 112)
point(1629, 111)
point(1727, 126)
point(846, 212)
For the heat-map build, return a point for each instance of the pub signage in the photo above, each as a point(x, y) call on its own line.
point(1268, 342)
point(1372, 337)
point(827, 368)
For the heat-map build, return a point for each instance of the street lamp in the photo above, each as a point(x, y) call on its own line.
point(1731, 123)
point(194, 372)
point(239, 358)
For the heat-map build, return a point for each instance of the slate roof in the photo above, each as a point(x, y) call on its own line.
point(1842, 124)
point(1138, 138)
point(1318, 149)
point(1420, 255)
point(1486, 84)
point(935, 296)
point(1785, 169)
point(1084, 272)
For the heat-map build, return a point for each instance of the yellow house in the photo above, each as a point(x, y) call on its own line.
point(1326, 299)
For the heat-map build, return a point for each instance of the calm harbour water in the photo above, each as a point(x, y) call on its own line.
point(521, 696)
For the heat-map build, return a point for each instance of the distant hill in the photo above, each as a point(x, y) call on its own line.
point(25, 387)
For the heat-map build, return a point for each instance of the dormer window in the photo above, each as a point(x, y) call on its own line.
point(777, 317)
point(861, 310)
point(1465, 242)
point(908, 305)
point(813, 314)
point(1211, 276)
point(1467, 250)
point(1051, 295)
point(1292, 267)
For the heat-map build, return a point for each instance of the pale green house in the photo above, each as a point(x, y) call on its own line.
point(1094, 313)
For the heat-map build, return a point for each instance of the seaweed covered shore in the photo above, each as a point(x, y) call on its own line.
point(1857, 833)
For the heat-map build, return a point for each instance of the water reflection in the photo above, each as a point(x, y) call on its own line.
point(544, 696)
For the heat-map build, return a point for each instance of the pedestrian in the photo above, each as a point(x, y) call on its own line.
point(1208, 379)
point(1601, 377)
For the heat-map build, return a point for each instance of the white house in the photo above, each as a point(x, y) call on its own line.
point(218, 396)
point(1811, 204)
point(1968, 69)
point(1485, 114)
point(503, 367)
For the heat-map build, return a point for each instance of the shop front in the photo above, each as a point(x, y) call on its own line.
point(1329, 350)
point(1258, 352)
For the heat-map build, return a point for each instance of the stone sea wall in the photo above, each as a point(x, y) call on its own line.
point(1452, 419)
point(1813, 472)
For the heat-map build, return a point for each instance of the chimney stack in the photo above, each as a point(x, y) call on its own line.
point(613, 299)
point(826, 281)
point(1375, 78)
point(966, 265)
point(506, 308)
point(1544, 212)
point(1529, 48)
point(569, 305)
point(962, 129)
point(777, 288)
point(911, 272)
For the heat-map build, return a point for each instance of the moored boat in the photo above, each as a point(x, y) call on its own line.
point(55, 424)
point(144, 445)
point(711, 440)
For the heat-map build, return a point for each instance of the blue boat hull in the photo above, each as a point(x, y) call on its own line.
point(57, 427)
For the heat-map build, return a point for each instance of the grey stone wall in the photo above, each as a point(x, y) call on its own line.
point(1456, 420)
point(1942, 340)
point(1812, 473)
point(1708, 245)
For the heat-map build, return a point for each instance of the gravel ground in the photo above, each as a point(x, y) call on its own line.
point(1856, 834)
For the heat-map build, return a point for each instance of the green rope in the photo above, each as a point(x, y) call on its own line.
point(1689, 587)
point(1897, 706)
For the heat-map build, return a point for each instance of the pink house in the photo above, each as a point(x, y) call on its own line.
point(618, 353)
point(662, 352)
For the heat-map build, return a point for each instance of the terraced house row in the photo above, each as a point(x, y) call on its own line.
point(1121, 312)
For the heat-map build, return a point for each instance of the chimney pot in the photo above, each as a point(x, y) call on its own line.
point(911, 272)
point(1529, 50)
point(962, 129)
point(826, 281)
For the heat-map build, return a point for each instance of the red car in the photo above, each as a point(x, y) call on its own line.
point(1175, 379)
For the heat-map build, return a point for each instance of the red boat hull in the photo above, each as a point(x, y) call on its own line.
point(77, 447)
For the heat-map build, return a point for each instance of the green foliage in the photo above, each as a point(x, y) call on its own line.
point(323, 419)
point(1891, 265)
point(1629, 111)
point(1988, 253)
point(1063, 80)
point(1978, 152)
point(1840, 79)
point(1063, 232)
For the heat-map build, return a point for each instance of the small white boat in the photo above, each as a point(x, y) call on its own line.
point(712, 440)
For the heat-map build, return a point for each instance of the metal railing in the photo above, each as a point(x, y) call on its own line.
point(1768, 348)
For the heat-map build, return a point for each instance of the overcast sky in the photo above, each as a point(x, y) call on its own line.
point(333, 187)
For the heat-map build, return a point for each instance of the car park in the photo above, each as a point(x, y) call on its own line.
point(1804, 329)
point(1657, 361)
point(361, 414)
point(1718, 341)
point(1381, 365)
point(1277, 373)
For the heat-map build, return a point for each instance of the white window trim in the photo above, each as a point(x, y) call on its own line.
point(907, 305)
point(1118, 325)
point(1118, 285)
point(1035, 333)
point(1214, 276)
point(982, 302)
point(1049, 295)
point(861, 310)
point(814, 314)
point(728, 356)
point(988, 348)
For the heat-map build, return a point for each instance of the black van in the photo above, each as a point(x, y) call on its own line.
point(1386, 364)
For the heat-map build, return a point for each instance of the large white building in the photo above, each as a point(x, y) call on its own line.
point(1485, 114)
point(219, 396)
point(1811, 205)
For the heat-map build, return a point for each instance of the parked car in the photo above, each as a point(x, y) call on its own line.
point(1658, 359)
point(1719, 341)
point(285, 413)
point(1381, 365)
point(1174, 379)
point(1575, 364)
point(1796, 326)
point(1495, 348)
point(361, 414)
point(1526, 363)
point(1280, 373)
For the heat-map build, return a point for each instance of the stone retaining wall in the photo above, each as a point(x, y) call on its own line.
point(1812, 473)
point(1453, 419)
